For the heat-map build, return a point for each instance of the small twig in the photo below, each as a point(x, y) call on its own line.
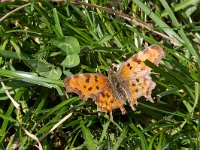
point(10, 97)
point(8, 14)
point(129, 18)
point(55, 126)
point(16, 144)
point(33, 137)
point(16, 105)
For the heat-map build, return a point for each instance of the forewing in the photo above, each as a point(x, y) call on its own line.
point(135, 75)
point(95, 86)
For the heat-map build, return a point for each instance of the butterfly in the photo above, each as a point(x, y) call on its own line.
point(130, 81)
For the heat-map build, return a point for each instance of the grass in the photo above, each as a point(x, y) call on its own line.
point(42, 42)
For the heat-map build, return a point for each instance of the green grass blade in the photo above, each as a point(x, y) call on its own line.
point(57, 22)
point(182, 5)
point(143, 141)
point(181, 31)
point(158, 20)
point(27, 77)
point(121, 138)
point(90, 142)
point(105, 130)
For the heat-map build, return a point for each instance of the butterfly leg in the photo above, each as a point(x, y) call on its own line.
point(122, 110)
point(111, 116)
point(132, 103)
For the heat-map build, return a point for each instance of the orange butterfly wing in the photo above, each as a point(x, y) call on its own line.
point(95, 86)
point(136, 75)
point(130, 82)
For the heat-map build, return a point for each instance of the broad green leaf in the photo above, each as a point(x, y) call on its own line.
point(39, 65)
point(44, 68)
point(71, 61)
point(54, 73)
point(68, 44)
point(67, 73)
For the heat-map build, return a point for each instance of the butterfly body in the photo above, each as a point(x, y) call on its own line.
point(117, 86)
point(128, 83)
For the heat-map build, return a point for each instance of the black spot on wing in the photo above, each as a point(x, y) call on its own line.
point(96, 79)
point(135, 59)
point(102, 94)
point(129, 66)
point(87, 80)
point(90, 88)
point(107, 95)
